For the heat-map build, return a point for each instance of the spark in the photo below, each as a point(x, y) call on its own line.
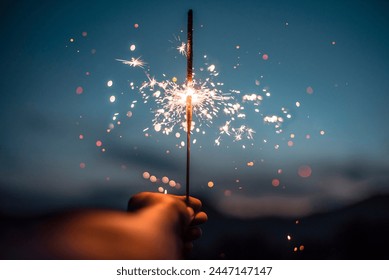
point(182, 49)
point(167, 100)
point(146, 175)
point(289, 237)
point(134, 62)
point(170, 98)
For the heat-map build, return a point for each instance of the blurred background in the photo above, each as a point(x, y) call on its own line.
point(78, 127)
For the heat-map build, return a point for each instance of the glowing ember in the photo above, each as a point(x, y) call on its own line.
point(172, 183)
point(165, 180)
point(153, 179)
point(110, 83)
point(304, 171)
point(99, 143)
point(79, 90)
point(275, 182)
point(146, 175)
point(210, 184)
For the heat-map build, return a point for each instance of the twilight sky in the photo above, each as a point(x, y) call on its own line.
point(324, 63)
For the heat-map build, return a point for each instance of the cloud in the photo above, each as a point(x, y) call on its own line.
point(253, 207)
point(333, 186)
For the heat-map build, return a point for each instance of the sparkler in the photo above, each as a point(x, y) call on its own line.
point(189, 82)
point(177, 105)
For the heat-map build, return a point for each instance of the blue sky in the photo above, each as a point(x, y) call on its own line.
point(336, 48)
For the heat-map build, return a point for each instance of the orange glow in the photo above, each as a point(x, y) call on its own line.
point(210, 184)
point(172, 183)
point(165, 180)
point(304, 171)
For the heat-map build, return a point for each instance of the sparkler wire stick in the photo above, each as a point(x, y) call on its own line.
point(189, 80)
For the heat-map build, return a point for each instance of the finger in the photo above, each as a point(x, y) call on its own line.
point(200, 218)
point(191, 214)
point(195, 203)
point(135, 203)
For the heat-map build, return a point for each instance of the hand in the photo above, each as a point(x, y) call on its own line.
point(158, 226)
point(173, 209)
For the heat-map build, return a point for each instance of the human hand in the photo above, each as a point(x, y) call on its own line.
point(184, 217)
point(158, 226)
